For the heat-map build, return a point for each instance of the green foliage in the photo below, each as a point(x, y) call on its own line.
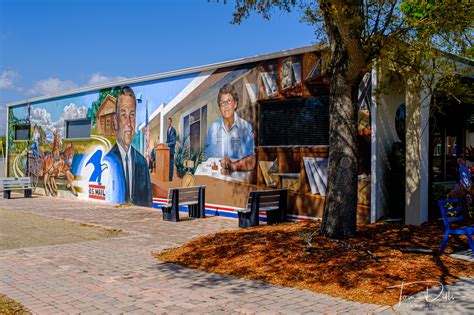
point(418, 10)
point(183, 153)
point(9, 306)
point(468, 52)
point(399, 30)
point(3, 139)
point(440, 192)
point(12, 121)
point(411, 37)
point(449, 90)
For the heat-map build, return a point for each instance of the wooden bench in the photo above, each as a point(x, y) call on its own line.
point(194, 197)
point(454, 213)
point(7, 184)
point(273, 202)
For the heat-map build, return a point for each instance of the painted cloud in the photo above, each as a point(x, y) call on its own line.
point(41, 117)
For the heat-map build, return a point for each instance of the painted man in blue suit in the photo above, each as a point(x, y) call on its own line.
point(171, 142)
point(130, 166)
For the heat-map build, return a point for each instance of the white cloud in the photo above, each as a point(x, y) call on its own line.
point(41, 117)
point(51, 86)
point(98, 78)
point(3, 120)
point(8, 79)
point(71, 111)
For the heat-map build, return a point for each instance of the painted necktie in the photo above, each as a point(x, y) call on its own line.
point(127, 181)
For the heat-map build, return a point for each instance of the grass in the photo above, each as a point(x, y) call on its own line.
point(21, 229)
point(358, 269)
point(8, 306)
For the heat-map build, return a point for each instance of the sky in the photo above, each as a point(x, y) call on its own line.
point(48, 46)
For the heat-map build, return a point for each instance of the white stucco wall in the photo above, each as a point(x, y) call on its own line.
point(392, 91)
point(390, 94)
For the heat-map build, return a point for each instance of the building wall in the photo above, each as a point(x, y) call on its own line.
point(298, 81)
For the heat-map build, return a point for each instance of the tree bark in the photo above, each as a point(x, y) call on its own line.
point(343, 20)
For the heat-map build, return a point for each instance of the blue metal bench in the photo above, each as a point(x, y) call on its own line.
point(454, 214)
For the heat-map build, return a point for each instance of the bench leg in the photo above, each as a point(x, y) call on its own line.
point(471, 242)
point(201, 207)
point(169, 214)
point(166, 213)
point(274, 217)
point(175, 213)
point(192, 211)
point(172, 213)
point(443, 243)
point(248, 219)
point(245, 220)
point(195, 211)
point(27, 193)
point(6, 194)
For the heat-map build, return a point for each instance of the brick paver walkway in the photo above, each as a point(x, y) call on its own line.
point(120, 276)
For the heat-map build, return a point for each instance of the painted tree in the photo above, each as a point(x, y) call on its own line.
point(358, 32)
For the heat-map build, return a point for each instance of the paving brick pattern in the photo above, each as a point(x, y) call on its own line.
point(119, 275)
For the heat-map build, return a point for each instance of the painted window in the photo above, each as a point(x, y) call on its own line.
point(22, 132)
point(78, 128)
point(294, 122)
point(194, 126)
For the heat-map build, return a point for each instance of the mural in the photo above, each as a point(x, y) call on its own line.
point(129, 169)
point(130, 144)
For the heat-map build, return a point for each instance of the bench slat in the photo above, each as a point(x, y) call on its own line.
point(15, 183)
point(269, 205)
point(188, 189)
point(188, 203)
point(189, 193)
point(268, 191)
point(246, 210)
point(268, 208)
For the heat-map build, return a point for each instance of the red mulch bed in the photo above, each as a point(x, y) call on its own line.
point(358, 269)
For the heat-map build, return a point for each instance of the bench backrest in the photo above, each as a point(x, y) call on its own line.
point(266, 198)
point(453, 213)
point(186, 194)
point(15, 182)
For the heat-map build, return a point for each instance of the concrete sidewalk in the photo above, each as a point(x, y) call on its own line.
point(120, 276)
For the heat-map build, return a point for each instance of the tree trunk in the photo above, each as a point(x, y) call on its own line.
point(347, 64)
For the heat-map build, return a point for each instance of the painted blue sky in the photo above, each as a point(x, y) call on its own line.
point(48, 46)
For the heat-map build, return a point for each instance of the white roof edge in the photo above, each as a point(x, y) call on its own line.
point(235, 62)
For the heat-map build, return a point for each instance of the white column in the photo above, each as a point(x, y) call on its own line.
point(162, 128)
point(417, 139)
